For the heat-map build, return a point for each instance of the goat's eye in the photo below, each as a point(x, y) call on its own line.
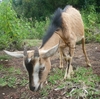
point(42, 68)
point(57, 29)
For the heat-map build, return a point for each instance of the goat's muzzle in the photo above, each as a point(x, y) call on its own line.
point(34, 88)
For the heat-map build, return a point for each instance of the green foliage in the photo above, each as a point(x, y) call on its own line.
point(92, 24)
point(44, 91)
point(38, 29)
point(32, 42)
point(55, 78)
point(12, 30)
point(40, 9)
point(83, 84)
point(10, 79)
point(87, 82)
point(4, 57)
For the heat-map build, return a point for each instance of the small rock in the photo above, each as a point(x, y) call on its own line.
point(95, 47)
point(11, 97)
point(3, 93)
point(1, 60)
point(6, 60)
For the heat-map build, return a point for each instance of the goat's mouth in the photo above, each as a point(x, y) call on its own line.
point(37, 88)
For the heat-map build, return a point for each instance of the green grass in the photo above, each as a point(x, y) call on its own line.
point(82, 84)
point(10, 76)
point(32, 42)
point(86, 82)
point(58, 74)
point(4, 57)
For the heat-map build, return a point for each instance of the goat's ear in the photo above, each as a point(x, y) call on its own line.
point(18, 54)
point(49, 52)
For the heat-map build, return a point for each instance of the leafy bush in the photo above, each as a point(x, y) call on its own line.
point(11, 79)
point(91, 23)
point(40, 9)
point(38, 29)
point(12, 30)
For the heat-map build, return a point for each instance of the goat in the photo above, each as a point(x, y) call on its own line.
point(68, 24)
point(37, 63)
point(65, 30)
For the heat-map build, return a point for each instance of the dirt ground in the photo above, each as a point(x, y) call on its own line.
point(93, 51)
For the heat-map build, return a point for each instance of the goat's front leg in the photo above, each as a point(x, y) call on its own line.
point(61, 57)
point(69, 69)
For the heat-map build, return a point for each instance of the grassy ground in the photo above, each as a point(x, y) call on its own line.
point(84, 84)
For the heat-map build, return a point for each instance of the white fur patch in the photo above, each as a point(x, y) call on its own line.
point(29, 59)
point(36, 76)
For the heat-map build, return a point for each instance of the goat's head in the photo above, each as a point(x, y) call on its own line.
point(35, 67)
point(37, 63)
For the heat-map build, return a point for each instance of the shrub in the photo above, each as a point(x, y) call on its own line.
point(12, 29)
point(91, 24)
point(38, 29)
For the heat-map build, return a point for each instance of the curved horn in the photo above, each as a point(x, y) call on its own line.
point(36, 52)
point(18, 54)
point(26, 55)
point(25, 51)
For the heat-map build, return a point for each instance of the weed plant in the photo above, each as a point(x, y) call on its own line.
point(83, 84)
point(91, 23)
point(10, 76)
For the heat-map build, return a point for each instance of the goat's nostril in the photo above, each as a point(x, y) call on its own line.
point(32, 88)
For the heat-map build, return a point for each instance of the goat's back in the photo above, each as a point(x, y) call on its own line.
point(73, 19)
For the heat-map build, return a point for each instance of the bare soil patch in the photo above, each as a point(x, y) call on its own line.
point(93, 51)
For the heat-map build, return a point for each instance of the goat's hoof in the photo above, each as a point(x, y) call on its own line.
point(89, 65)
point(60, 67)
point(72, 73)
point(46, 82)
point(67, 77)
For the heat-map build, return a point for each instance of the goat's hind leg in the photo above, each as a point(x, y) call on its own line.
point(84, 51)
